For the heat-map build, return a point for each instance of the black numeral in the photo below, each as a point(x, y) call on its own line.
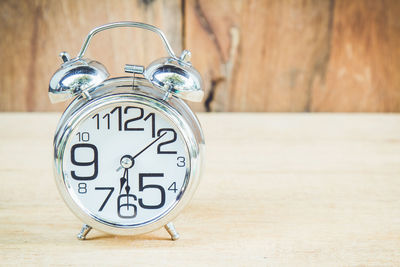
point(83, 137)
point(172, 187)
point(126, 209)
point(126, 124)
point(108, 120)
point(159, 150)
point(97, 120)
point(108, 196)
point(153, 124)
point(149, 186)
point(82, 188)
point(181, 161)
point(119, 117)
point(94, 162)
point(97, 116)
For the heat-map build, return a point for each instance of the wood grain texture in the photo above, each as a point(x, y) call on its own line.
point(278, 190)
point(265, 55)
point(34, 32)
point(363, 72)
point(297, 55)
point(261, 55)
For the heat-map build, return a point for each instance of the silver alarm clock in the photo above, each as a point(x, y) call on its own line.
point(128, 151)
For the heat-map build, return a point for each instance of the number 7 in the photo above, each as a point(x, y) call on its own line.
point(108, 196)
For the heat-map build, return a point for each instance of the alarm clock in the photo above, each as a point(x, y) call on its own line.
point(128, 151)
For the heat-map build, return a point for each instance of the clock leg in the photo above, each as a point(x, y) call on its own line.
point(172, 231)
point(84, 231)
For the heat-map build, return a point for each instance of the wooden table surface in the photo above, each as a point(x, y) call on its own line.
point(278, 189)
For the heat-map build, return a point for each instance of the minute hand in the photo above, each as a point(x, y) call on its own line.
point(149, 145)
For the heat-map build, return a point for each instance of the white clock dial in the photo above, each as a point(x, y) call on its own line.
point(126, 165)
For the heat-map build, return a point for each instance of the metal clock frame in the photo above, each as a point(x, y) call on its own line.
point(132, 90)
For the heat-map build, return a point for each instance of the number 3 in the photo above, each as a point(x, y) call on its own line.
point(181, 162)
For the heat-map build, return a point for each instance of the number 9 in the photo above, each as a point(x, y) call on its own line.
point(94, 162)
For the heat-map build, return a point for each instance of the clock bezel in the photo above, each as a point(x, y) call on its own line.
point(107, 94)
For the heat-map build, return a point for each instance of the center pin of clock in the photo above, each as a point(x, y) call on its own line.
point(127, 162)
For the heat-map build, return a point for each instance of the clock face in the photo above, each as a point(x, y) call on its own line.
point(126, 164)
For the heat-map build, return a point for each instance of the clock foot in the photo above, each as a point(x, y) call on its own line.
point(84, 231)
point(172, 231)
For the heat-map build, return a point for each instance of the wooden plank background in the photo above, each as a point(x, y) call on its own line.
point(339, 56)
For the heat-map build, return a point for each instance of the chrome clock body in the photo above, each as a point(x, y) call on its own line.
point(156, 91)
point(120, 90)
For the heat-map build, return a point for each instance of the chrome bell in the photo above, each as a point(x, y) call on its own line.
point(75, 77)
point(171, 74)
point(176, 76)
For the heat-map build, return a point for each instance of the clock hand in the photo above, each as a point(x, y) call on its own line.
point(148, 146)
point(127, 161)
point(123, 180)
point(127, 189)
point(132, 159)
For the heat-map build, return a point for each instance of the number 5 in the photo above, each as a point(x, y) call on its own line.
point(155, 186)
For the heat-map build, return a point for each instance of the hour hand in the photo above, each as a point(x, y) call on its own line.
point(122, 182)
